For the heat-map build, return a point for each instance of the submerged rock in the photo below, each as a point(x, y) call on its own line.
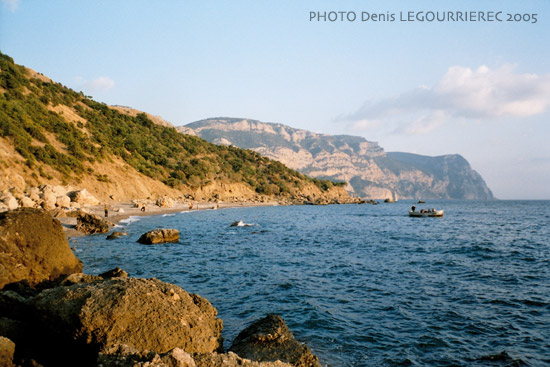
point(91, 223)
point(33, 247)
point(116, 234)
point(240, 223)
point(160, 236)
point(270, 339)
point(143, 314)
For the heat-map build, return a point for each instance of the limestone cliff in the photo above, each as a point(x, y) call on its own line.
point(368, 169)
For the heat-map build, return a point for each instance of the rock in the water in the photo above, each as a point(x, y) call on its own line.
point(7, 349)
point(114, 273)
point(33, 247)
point(270, 339)
point(116, 234)
point(83, 197)
point(91, 223)
point(160, 236)
point(142, 314)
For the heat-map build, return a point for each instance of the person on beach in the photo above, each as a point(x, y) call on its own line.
point(191, 206)
point(106, 211)
point(142, 207)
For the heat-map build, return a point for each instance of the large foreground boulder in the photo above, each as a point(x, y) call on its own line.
point(7, 349)
point(91, 223)
point(33, 247)
point(160, 236)
point(144, 314)
point(270, 339)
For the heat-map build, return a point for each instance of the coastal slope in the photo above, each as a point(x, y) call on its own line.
point(369, 171)
point(50, 134)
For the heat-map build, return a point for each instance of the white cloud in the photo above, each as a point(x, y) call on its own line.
point(461, 93)
point(424, 124)
point(12, 5)
point(101, 84)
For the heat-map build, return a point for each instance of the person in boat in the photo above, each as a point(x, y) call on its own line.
point(413, 208)
point(422, 210)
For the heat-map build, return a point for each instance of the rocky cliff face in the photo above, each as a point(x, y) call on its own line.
point(368, 169)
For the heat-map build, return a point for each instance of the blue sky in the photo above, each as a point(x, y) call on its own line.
point(480, 89)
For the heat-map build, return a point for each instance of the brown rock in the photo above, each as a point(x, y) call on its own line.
point(91, 223)
point(33, 247)
point(270, 339)
point(125, 356)
point(142, 314)
point(7, 349)
point(230, 359)
point(160, 236)
point(116, 234)
point(114, 273)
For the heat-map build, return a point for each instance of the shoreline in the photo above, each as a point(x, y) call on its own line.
point(129, 210)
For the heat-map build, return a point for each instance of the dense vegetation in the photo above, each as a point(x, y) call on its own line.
point(45, 137)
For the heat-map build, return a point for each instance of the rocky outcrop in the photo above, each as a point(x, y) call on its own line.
point(369, 171)
point(33, 247)
point(91, 223)
point(270, 339)
point(144, 314)
point(114, 273)
point(7, 349)
point(124, 356)
point(160, 236)
point(231, 359)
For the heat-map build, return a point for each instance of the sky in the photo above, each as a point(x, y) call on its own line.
point(384, 70)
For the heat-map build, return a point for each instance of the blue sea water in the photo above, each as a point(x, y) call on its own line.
point(363, 285)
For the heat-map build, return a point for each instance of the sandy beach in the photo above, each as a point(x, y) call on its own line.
point(120, 211)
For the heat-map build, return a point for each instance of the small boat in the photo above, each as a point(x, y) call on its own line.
point(426, 213)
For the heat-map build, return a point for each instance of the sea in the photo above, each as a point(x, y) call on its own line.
point(362, 285)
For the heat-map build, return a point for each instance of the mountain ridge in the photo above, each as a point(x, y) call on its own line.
point(369, 171)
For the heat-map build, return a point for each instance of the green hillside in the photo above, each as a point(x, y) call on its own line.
point(45, 138)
